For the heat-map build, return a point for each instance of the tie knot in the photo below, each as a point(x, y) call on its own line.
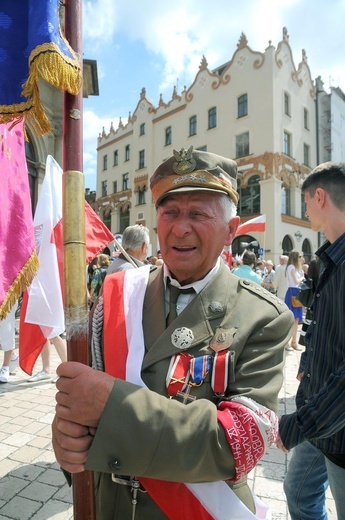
point(176, 291)
point(174, 294)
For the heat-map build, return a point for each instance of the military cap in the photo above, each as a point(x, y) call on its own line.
point(189, 170)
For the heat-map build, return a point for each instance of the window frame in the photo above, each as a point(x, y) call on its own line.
point(116, 158)
point(125, 181)
point(193, 122)
point(244, 146)
point(287, 104)
point(141, 159)
point(212, 118)
point(105, 162)
point(168, 136)
point(287, 143)
point(242, 106)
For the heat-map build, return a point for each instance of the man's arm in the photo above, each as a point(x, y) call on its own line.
point(322, 415)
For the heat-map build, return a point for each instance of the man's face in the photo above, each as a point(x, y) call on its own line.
point(312, 211)
point(192, 233)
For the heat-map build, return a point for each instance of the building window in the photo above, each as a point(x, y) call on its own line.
point(168, 136)
point(125, 181)
point(114, 186)
point(242, 106)
point(124, 220)
point(306, 119)
point(141, 197)
point(142, 129)
point(192, 125)
point(286, 201)
point(127, 153)
point(107, 218)
point(306, 154)
point(249, 202)
point(104, 188)
point(287, 144)
point(116, 157)
point(287, 107)
point(142, 159)
point(105, 162)
point(212, 118)
point(242, 145)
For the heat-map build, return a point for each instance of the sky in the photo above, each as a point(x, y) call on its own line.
point(158, 44)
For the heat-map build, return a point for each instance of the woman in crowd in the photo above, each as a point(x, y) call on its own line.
point(294, 276)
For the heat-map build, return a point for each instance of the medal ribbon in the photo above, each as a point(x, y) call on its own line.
point(199, 368)
point(178, 373)
point(220, 372)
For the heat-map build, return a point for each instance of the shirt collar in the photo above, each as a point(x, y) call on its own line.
point(334, 252)
point(198, 285)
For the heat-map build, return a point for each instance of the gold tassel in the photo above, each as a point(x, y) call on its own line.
point(46, 62)
point(22, 282)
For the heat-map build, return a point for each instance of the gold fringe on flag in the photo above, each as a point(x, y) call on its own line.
point(49, 63)
point(21, 282)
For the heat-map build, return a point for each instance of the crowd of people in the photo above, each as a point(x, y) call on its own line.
point(182, 376)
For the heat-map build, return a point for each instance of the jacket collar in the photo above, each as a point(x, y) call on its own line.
point(212, 302)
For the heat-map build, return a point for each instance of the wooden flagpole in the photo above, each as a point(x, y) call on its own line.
point(76, 311)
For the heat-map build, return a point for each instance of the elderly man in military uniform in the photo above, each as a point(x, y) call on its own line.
point(190, 363)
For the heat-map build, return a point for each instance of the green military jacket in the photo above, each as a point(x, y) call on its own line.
point(144, 433)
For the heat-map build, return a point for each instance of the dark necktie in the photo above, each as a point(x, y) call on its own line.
point(174, 294)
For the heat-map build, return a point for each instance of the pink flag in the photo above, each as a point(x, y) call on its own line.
point(18, 259)
point(255, 224)
point(42, 313)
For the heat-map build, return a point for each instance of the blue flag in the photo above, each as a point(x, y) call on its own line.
point(32, 47)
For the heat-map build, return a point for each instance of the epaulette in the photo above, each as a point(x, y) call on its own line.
point(263, 293)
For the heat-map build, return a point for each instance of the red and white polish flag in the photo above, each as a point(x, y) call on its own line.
point(42, 312)
point(257, 224)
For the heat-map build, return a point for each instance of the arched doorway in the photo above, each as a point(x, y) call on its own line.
point(306, 250)
point(287, 245)
point(245, 242)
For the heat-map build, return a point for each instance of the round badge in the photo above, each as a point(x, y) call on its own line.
point(182, 338)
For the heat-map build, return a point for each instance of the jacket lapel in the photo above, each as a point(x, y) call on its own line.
point(211, 304)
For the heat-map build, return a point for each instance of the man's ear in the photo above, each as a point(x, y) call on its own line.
point(320, 195)
point(233, 225)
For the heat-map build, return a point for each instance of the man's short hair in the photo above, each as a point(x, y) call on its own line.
point(134, 237)
point(329, 176)
point(248, 258)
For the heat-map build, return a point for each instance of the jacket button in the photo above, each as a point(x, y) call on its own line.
point(114, 464)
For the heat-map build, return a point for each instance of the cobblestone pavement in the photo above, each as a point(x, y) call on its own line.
point(31, 483)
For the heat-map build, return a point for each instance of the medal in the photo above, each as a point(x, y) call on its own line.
point(220, 373)
point(199, 367)
point(182, 338)
point(178, 373)
point(223, 339)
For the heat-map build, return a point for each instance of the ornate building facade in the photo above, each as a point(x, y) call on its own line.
point(258, 109)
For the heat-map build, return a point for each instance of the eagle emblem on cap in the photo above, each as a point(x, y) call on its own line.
point(184, 161)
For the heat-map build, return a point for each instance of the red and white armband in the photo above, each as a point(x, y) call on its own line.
point(250, 429)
